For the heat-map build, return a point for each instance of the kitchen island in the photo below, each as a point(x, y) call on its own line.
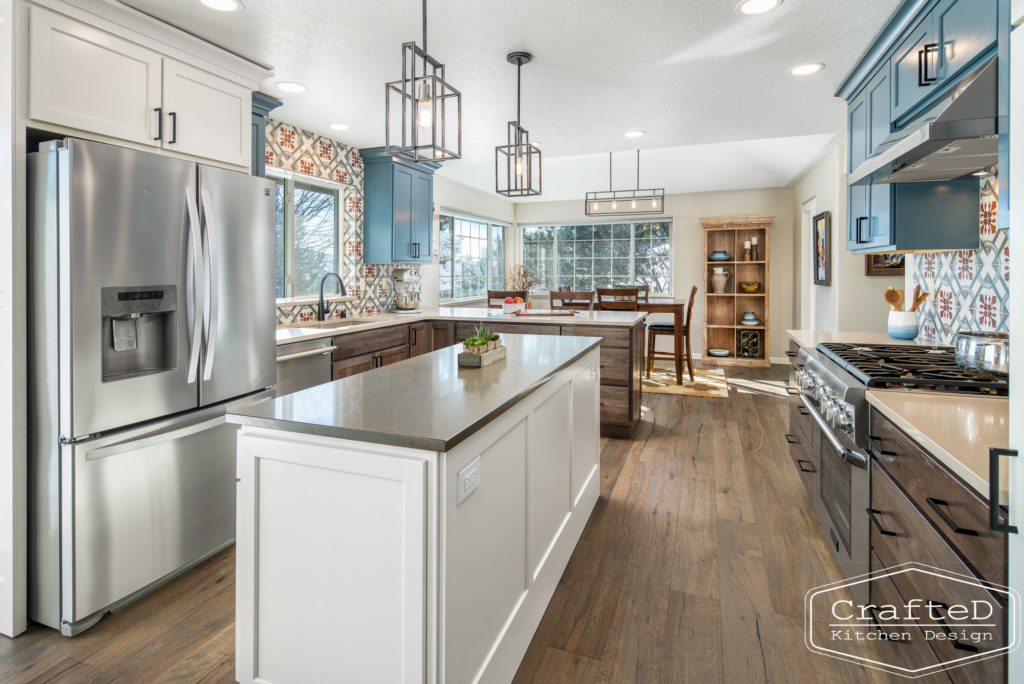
point(361, 343)
point(410, 523)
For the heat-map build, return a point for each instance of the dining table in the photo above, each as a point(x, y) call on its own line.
point(676, 307)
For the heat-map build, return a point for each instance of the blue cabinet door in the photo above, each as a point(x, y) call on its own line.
point(859, 213)
point(965, 29)
point(422, 217)
point(879, 229)
point(914, 68)
point(401, 229)
point(857, 124)
point(879, 117)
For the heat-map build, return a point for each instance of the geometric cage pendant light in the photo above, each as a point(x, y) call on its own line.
point(517, 171)
point(633, 202)
point(422, 111)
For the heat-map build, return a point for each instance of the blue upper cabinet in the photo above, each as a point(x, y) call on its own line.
point(964, 30)
point(857, 128)
point(399, 209)
point(868, 118)
point(915, 68)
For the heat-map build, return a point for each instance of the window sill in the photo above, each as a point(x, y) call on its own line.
point(313, 299)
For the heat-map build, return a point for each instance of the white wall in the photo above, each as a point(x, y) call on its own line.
point(12, 326)
point(853, 301)
point(685, 210)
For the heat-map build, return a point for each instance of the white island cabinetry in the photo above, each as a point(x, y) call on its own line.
point(367, 561)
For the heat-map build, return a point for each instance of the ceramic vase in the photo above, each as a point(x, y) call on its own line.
point(718, 282)
point(903, 325)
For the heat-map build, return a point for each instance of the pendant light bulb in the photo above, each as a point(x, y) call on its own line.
point(594, 206)
point(519, 165)
point(615, 205)
point(632, 205)
point(424, 113)
point(654, 204)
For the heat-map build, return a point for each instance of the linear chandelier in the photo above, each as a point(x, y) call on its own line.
point(625, 202)
point(423, 108)
point(517, 163)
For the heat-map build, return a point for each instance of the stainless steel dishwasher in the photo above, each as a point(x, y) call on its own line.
point(303, 364)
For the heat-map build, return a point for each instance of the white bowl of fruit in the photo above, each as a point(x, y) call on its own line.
point(511, 305)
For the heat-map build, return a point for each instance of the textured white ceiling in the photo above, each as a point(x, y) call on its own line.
point(690, 72)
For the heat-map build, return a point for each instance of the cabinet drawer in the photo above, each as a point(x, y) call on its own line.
point(914, 653)
point(614, 366)
point(353, 366)
point(908, 536)
point(802, 453)
point(611, 337)
point(614, 404)
point(942, 498)
point(354, 344)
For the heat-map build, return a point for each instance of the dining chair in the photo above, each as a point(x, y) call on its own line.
point(495, 298)
point(566, 299)
point(645, 291)
point(618, 298)
point(655, 329)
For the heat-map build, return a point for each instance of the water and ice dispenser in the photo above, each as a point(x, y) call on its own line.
point(139, 325)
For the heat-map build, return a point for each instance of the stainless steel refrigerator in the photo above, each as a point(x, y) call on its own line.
point(151, 309)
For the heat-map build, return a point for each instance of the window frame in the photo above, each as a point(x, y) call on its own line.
point(490, 223)
point(632, 244)
point(290, 180)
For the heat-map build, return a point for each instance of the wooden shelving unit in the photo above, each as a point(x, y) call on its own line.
point(723, 311)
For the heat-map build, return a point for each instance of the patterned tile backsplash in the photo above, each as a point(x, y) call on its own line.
point(970, 288)
point(305, 152)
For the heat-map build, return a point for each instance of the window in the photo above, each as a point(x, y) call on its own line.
point(472, 256)
point(585, 257)
point(308, 232)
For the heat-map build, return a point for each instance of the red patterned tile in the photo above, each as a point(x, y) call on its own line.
point(287, 138)
point(370, 271)
point(945, 304)
point(965, 265)
point(989, 216)
point(307, 167)
point(987, 311)
point(355, 204)
point(356, 160)
point(325, 150)
point(341, 175)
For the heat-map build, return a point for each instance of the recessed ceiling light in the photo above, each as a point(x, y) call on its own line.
point(223, 5)
point(290, 87)
point(635, 134)
point(807, 69)
point(340, 127)
point(757, 6)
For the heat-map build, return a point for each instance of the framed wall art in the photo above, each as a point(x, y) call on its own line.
point(884, 264)
point(821, 234)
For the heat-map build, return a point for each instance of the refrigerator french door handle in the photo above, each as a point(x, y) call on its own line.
point(158, 437)
point(211, 333)
point(195, 243)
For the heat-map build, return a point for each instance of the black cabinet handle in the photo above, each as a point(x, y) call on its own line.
point(174, 127)
point(993, 489)
point(857, 223)
point(159, 123)
point(790, 353)
point(792, 439)
point(957, 644)
point(800, 462)
point(923, 78)
point(881, 530)
point(876, 449)
point(803, 411)
point(937, 505)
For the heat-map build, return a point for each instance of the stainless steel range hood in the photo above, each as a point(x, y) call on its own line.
point(957, 137)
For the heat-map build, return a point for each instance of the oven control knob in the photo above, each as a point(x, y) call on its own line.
point(845, 418)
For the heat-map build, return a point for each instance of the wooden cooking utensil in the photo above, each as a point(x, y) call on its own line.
point(892, 297)
point(899, 303)
point(913, 299)
point(919, 301)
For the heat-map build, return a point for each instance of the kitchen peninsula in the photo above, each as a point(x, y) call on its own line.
point(410, 523)
point(365, 342)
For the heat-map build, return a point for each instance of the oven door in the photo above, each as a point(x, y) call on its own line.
point(841, 498)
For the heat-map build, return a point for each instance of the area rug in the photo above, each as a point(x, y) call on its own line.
point(706, 383)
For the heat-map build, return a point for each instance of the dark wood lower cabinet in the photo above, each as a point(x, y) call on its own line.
point(442, 334)
point(419, 339)
point(364, 362)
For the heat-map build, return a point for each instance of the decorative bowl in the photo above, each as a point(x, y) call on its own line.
point(750, 287)
point(719, 353)
point(719, 255)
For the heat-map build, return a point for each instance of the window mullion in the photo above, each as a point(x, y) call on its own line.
point(289, 237)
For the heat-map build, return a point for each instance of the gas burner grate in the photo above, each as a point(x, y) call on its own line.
point(901, 366)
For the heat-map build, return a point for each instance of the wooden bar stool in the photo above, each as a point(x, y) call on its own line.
point(618, 298)
point(655, 329)
point(566, 299)
point(495, 298)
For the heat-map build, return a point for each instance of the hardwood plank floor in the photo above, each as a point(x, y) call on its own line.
point(692, 568)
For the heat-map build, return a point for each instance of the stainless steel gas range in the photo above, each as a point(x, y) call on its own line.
point(832, 380)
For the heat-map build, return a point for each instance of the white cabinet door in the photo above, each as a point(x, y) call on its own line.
point(85, 78)
point(205, 115)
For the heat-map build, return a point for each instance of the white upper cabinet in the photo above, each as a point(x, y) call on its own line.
point(89, 79)
point(85, 78)
point(205, 115)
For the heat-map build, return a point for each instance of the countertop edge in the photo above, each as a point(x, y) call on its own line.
point(430, 318)
point(966, 475)
point(420, 443)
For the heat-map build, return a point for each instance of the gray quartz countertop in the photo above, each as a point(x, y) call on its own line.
point(426, 402)
point(340, 326)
